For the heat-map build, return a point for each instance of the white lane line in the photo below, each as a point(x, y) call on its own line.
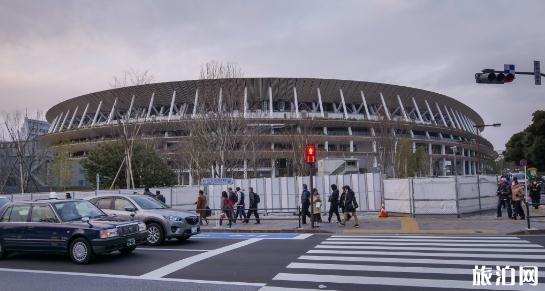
point(505, 245)
point(303, 236)
point(178, 250)
point(423, 254)
point(425, 240)
point(421, 261)
point(391, 281)
point(389, 269)
point(173, 267)
point(396, 248)
point(272, 288)
point(130, 277)
point(429, 236)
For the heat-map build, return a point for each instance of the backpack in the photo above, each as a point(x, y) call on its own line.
point(208, 211)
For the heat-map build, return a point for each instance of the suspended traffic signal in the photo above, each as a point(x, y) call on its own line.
point(487, 77)
point(310, 154)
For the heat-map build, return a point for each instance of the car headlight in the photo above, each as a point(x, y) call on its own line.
point(173, 218)
point(141, 226)
point(107, 233)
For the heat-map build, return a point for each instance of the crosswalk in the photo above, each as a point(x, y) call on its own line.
point(410, 262)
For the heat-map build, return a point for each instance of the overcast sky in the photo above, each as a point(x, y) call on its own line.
point(54, 50)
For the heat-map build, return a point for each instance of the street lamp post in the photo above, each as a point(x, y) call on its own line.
point(478, 168)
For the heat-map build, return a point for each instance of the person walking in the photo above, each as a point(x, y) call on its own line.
point(233, 198)
point(517, 194)
point(535, 194)
point(334, 204)
point(201, 207)
point(241, 209)
point(254, 202)
point(504, 198)
point(226, 208)
point(147, 192)
point(350, 206)
point(160, 196)
point(317, 206)
point(305, 204)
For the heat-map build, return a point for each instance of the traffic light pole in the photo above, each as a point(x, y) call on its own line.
point(311, 186)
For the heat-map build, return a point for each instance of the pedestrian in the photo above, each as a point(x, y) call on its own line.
point(201, 207)
point(160, 196)
point(317, 206)
point(147, 192)
point(68, 196)
point(504, 198)
point(334, 203)
point(226, 208)
point(517, 194)
point(305, 204)
point(535, 194)
point(342, 200)
point(350, 206)
point(241, 205)
point(254, 202)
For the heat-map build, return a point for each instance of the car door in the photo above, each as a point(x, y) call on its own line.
point(120, 204)
point(44, 231)
point(14, 223)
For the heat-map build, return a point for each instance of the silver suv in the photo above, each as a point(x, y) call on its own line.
point(162, 221)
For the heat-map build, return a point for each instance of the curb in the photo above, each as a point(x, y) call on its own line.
point(528, 231)
point(220, 230)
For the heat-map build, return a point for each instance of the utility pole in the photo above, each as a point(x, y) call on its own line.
point(478, 168)
point(454, 151)
point(310, 159)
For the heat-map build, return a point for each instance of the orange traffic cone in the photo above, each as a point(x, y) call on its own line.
point(383, 212)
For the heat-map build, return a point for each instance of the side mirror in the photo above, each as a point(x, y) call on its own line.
point(86, 219)
point(130, 209)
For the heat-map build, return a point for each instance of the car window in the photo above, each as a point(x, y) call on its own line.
point(75, 210)
point(42, 213)
point(19, 213)
point(104, 203)
point(5, 217)
point(146, 202)
point(121, 203)
point(3, 201)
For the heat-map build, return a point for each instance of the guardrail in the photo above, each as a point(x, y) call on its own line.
point(528, 216)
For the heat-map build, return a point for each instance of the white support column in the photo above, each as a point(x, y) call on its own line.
point(432, 117)
point(458, 121)
point(150, 106)
point(220, 100)
point(464, 123)
point(128, 114)
point(73, 117)
point(245, 169)
point(112, 112)
point(471, 128)
point(270, 103)
point(172, 105)
point(245, 108)
point(96, 113)
point(195, 103)
point(452, 121)
point(58, 122)
point(320, 102)
point(385, 107)
point(52, 125)
point(441, 114)
point(296, 102)
point(64, 120)
point(365, 105)
point(402, 109)
point(417, 110)
point(83, 115)
point(343, 104)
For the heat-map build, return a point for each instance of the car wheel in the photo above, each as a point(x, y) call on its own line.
point(155, 234)
point(127, 251)
point(81, 251)
point(3, 253)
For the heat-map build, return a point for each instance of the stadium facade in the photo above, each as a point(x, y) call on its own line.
point(343, 117)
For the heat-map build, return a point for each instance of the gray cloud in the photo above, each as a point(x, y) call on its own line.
point(54, 50)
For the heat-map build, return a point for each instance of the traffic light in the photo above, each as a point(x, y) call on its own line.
point(490, 77)
point(310, 154)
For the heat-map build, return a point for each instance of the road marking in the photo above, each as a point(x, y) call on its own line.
point(420, 261)
point(396, 248)
point(424, 240)
point(173, 267)
point(427, 236)
point(303, 236)
point(392, 281)
point(417, 254)
point(272, 288)
point(389, 269)
point(163, 249)
point(252, 235)
point(504, 245)
point(131, 277)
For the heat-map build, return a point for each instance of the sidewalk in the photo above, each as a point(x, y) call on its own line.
point(370, 223)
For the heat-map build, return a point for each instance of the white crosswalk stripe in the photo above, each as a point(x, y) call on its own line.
point(360, 262)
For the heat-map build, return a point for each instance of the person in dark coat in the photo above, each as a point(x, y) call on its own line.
point(350, 206)
point(254, 202)
point(241, 205)
point(334, 203)
point(535, 194)
point(504, 198)
point(160, 196)
point(305, 204)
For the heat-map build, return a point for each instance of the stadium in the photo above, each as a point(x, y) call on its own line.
point(354, 123)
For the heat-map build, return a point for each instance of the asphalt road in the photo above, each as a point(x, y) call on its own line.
point(281, 261)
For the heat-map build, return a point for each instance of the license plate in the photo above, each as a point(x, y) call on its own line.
point(131, 242)
point(194, 229)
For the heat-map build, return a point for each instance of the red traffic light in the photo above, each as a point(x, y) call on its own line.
point(310, 154)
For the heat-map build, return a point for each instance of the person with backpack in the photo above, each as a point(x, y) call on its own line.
point(334, 204)
point(254, 202)
point(504, 198)
point(350, 206)
point(226, 208)
point(305, 204)
point(240, 205)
